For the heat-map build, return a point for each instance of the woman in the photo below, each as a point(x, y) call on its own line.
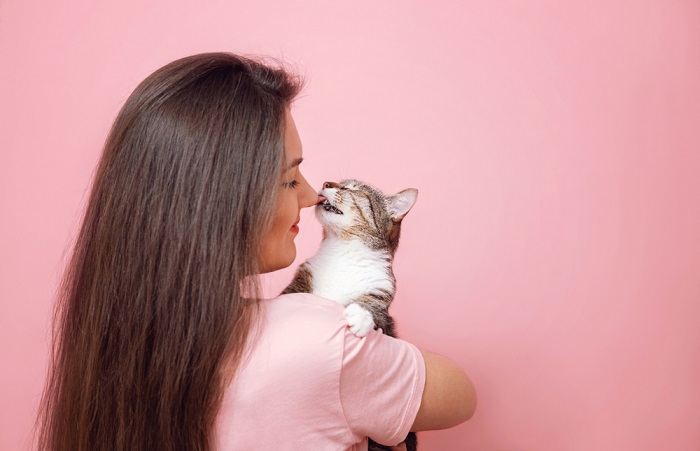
point(160, 305)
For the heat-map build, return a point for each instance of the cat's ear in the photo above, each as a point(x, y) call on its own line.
point(401, 202)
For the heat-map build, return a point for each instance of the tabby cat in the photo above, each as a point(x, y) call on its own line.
point(353, 266)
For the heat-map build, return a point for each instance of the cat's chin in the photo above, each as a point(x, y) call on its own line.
point(328, 219)
point(331, 229)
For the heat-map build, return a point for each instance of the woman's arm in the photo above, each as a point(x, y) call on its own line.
point(449, 397)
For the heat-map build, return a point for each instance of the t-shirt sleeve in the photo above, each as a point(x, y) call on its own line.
point(381, 385)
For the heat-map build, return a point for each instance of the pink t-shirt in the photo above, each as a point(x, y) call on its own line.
point(311, 384)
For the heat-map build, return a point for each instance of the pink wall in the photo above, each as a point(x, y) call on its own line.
point(553, 251)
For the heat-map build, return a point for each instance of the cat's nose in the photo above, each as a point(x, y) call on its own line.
point(330, 185)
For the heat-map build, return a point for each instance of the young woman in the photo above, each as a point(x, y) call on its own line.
point(162, 340)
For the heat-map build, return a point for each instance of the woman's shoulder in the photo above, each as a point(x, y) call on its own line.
point(306, 304)
point(305, 318)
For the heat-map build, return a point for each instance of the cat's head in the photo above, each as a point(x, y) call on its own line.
point(357, 209)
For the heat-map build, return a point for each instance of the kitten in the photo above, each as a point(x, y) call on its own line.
point(353, 266)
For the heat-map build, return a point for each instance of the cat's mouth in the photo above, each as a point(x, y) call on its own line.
point(326, 205)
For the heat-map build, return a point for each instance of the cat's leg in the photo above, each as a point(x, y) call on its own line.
point(368, 312)
point(359, 319)
point(301, 282)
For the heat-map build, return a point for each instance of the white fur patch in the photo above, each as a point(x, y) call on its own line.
point(345, 269)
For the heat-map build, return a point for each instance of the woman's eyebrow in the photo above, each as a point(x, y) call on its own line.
point(295, 163)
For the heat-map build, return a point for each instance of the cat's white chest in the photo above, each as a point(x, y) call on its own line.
point(343, 270)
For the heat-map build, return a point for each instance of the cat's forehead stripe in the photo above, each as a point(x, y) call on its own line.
point(367, 189)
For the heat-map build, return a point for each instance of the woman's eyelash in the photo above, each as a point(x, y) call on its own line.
point(291, 184)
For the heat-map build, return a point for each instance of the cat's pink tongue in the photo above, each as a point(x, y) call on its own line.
point(321, 198)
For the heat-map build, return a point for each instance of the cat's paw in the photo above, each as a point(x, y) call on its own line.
point(359, 319)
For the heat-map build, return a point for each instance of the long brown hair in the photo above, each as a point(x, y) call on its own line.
point(155, 306)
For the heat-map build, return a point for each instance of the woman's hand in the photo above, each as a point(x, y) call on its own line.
point(400, 447)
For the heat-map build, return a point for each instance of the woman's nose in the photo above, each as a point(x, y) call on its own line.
point(319, 197)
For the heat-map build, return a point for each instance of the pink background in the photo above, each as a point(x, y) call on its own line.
point(553, 251)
